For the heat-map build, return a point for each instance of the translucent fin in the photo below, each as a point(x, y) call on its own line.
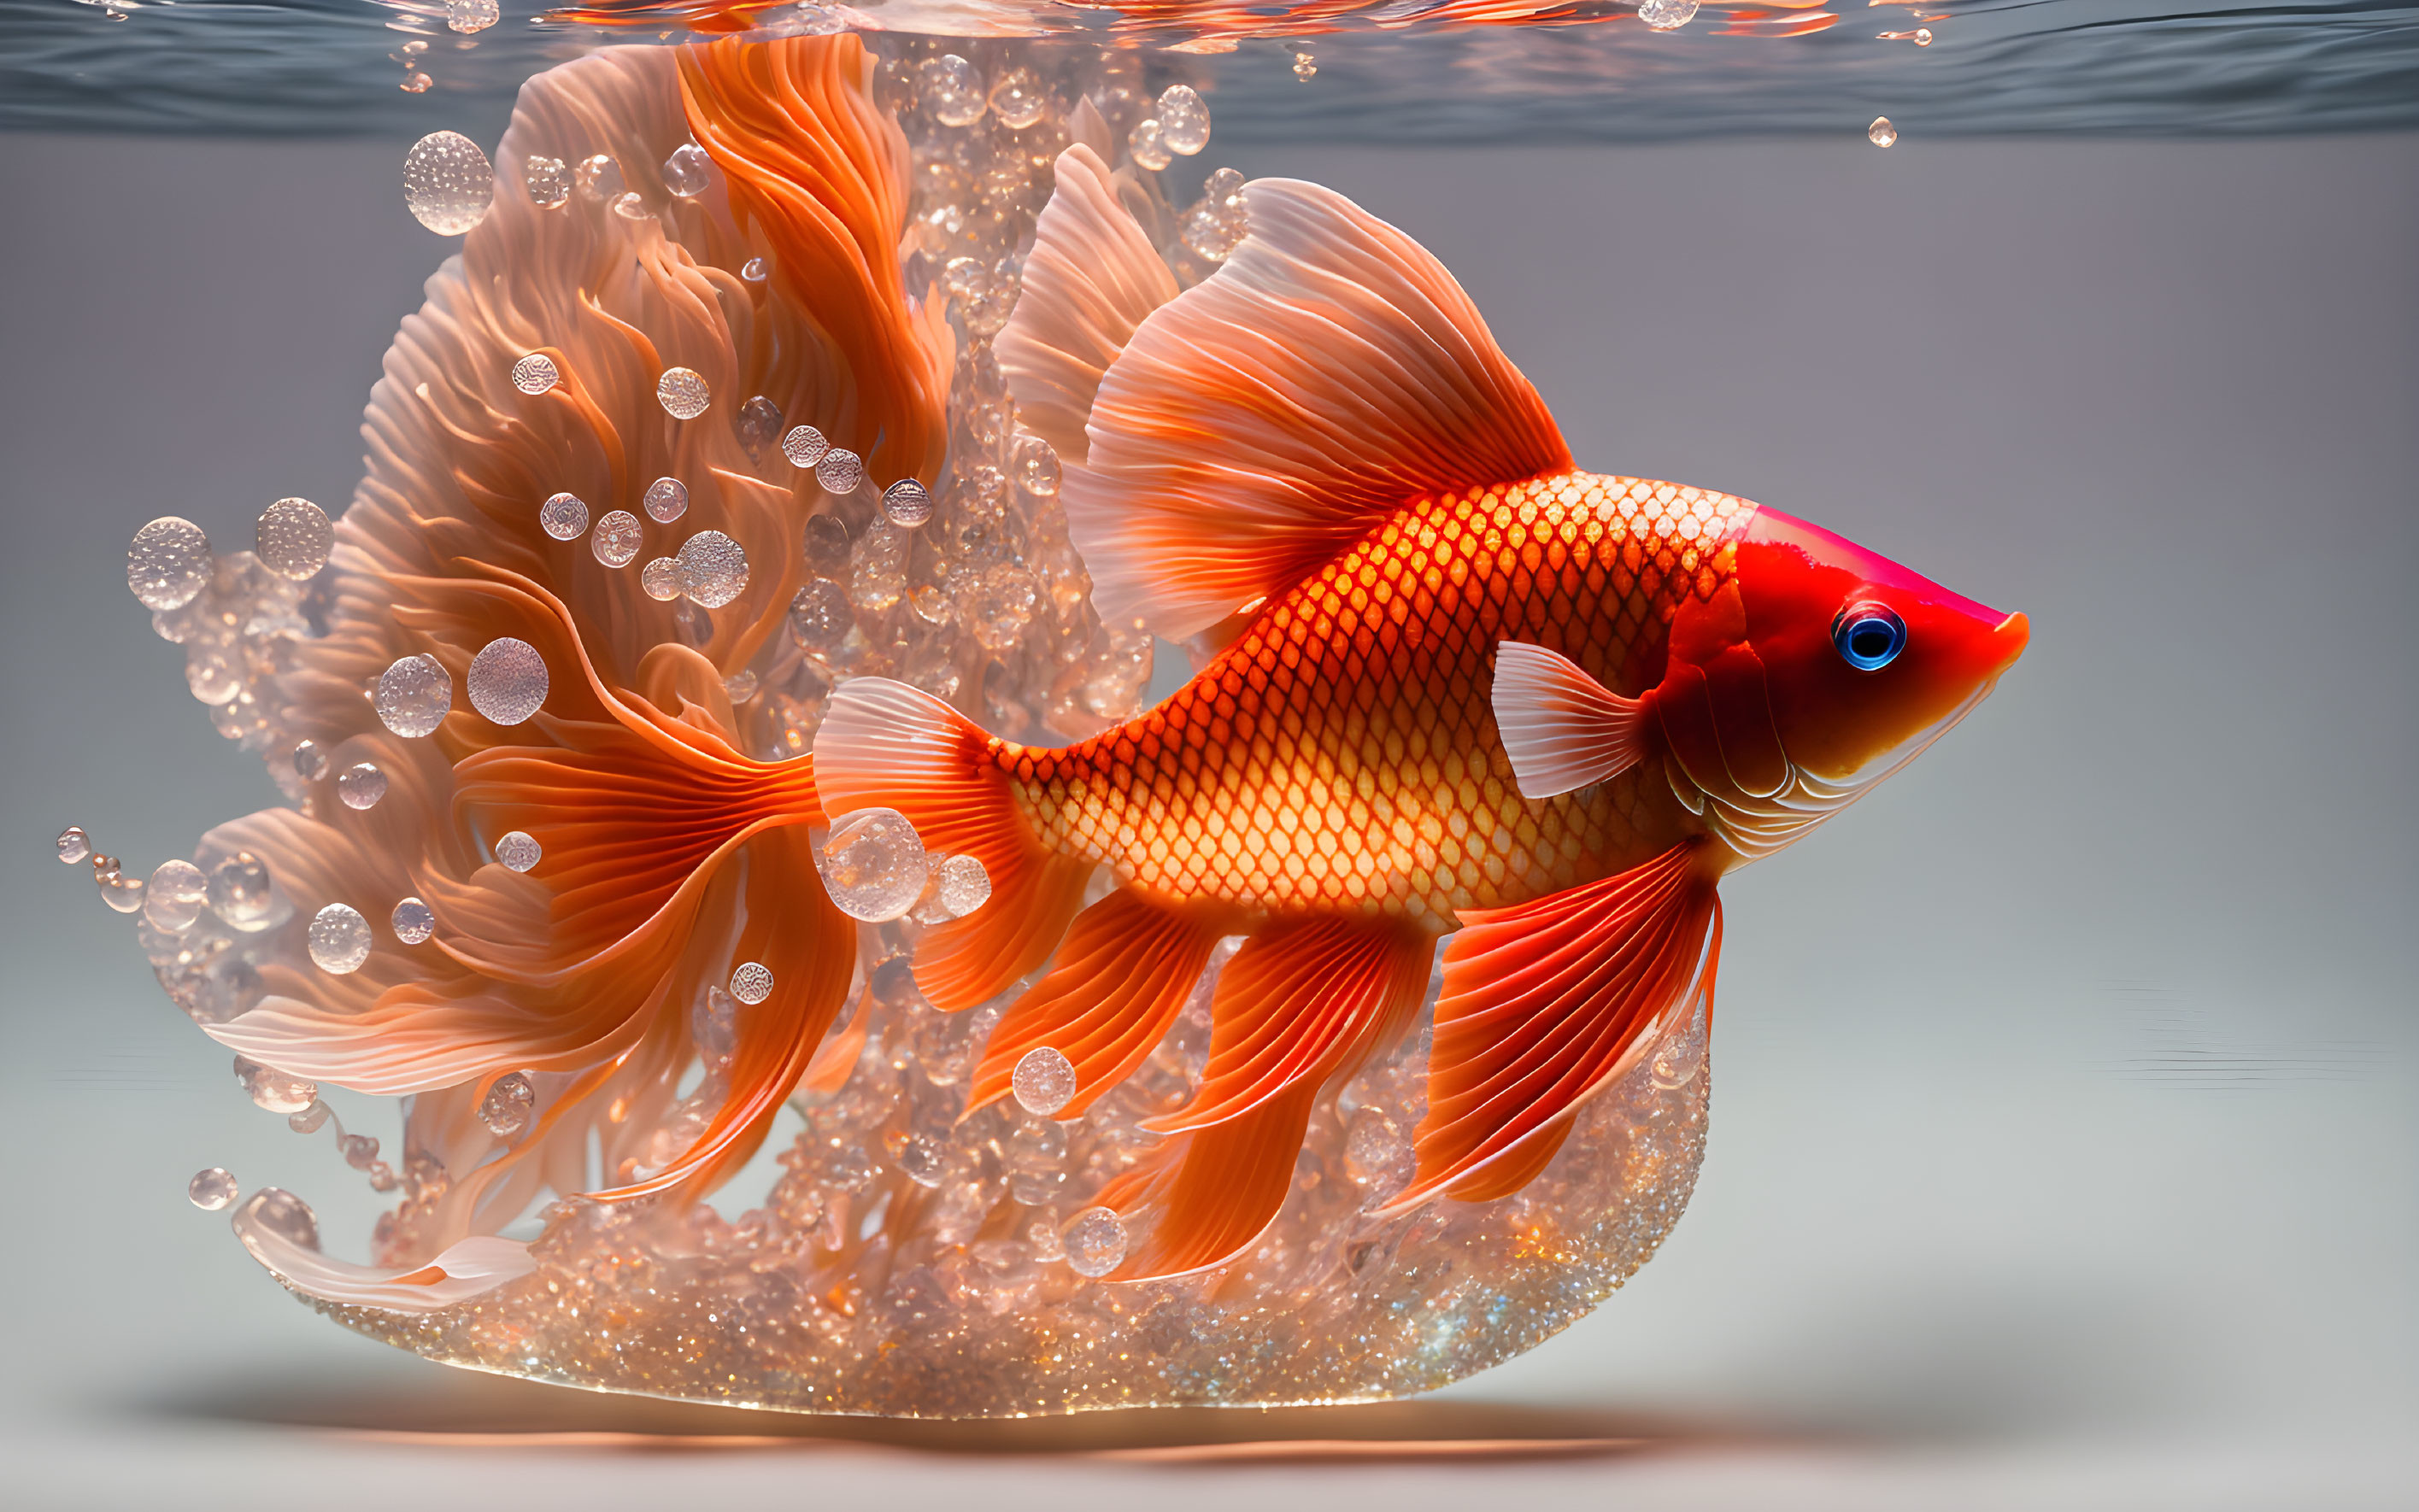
point(884, 744)
point(1562, 728)
point(1092, 278)
point(1128, 963)
point(1214, 1191)
point(1330, 370)
point(1542, 1002)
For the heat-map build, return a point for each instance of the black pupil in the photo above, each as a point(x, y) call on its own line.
point(1870, 639)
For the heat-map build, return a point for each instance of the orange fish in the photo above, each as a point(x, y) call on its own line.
point(1455, 688)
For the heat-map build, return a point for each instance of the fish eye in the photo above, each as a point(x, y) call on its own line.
point(1868, 635)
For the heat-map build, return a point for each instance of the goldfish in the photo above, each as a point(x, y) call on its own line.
point(1451, 689)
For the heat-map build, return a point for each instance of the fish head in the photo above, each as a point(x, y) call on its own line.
point(1864, 662)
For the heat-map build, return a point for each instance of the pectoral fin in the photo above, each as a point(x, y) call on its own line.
point(1562, 728)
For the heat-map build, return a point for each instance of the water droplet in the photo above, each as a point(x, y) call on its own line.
point(1044, 1080)
point(1095, 1241)
point(683, 393)
point(688, 171)
point(617, 537)
point(174, 898)
point(468, 16)
point(840, 471)
point(547, 181)
point(518, 850)
point(965, 886)
point(508, 680)
point(240, 892)
point(75, 847)
point(1183, 121)
point(168, 563)
point(1923, 37)
point(599, 178)
point(754, 270)
point(712, 568)
point(1018, 99)
point(906, 503)
point(952, 89)
point(211, 1190)
point(759, 424)
point(740, 686)
point(631, 206)
point(119, 890)
point(1881, 133)
point(804, 446)
point(666, 500)
point(873, 865)
point(1036, 467)
point(1666, 15)
point(751, 982)
point(282, 1215)
point(414, 695)
point(362, 785)
point(563, 517)
point(506, 1110)
point(535, 373)
point(660, 579)
point(821, 617)
point(339, 942)
point(414, 83)
point(447, 182)
point(413, 921)
point(310, 762)
point(1145, 144)
point(294, 538)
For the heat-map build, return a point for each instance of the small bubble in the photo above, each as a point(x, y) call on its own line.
point(211, 1190)
point(754, 270)
point(759, 424)
point(311, 1120)
point(1666, 15)
point(119, 890)
point(468, 16)
point(1036, 467)
point(413, 922)
point(414, 83)
point(547, 181)
point(273, 1091)
point(339, 939)
point(1881, 133)
point(712, 568)
point(1044, 1080)
point(174, 898)
point(906, 503)
point(688, 171)
point(599, 178)
point(506, 1110)
point(873, 865)
point(1018, 99)
point(952, 89)
point(821, 617)
point(805, 446)
point(518, 850)
point(508, 680)
point(310, 762)
point(666, 500)
point(740, 686)
point(1095, 1241)
point(1146, 145)
point(563, 517)
point(363, 784)
point(75, 847)
point(358, 1149)
point(447, 182)
point(1923, 37)
point(965, 886)
point(168, 563)
point(660, 579)
point(751, 982)
point(840, 471)
point(294, 538)
point(240, 892)
point(632, 206)
point(414, 695)
point(535, 373)
point(1183, 121)
point(617, 537)
point(921, 1160)
point(683, 393)
point(282, 1215)
point(827, 545)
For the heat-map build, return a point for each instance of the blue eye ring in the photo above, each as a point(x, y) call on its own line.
point(1868, 635)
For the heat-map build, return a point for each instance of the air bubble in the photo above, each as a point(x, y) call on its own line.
point(447, 183)
point(1923, 37)
point(547, 181)
point(821, 617)
point(340, 941)
point(873, 865)
point(120, 892)
point(759, 424)
point(1018, 99)
point(468, 16)
point(688, 171)
point(712, 568)
point(535, 373)
point(683, 393)
point(282, 1215)
point(363, 784)
point(1881, 133)
point(211, 1190)
point(964, 886)
point(952, 89)
point(508, 680)
point(1044, 1080)
point(1036, 467)
point(1146, 145)
point(518, 850)
point(666, 500)
point(840, 471)
point(413, 922)
point(240, 893)
point(414, 695)
point(632, 206)
point(599, 178)
point(310, 762)
point(906, 503)
point(294, 538)
point(1666, 15)
point(75, 847)
point(563, 517)
point(1095, 1241)
point(660, 579)
point(617, 539)
point(168, 563)
point(827, 545)
point(805, 446)
point(751, 982)
point(740, 686)
point(175, 895)
point(506, 1110)
point(1183, 121)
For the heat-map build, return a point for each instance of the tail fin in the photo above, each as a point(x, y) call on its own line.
point(885, 744)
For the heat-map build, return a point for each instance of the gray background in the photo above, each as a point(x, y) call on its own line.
point(2066, 1094)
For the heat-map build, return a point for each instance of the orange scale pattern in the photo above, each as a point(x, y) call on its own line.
point(1342, 755)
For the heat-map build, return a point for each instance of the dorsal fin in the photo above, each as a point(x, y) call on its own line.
point(1262, 420)
point(1091, 278)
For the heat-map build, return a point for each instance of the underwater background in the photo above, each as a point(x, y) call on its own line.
point(2067, 1144)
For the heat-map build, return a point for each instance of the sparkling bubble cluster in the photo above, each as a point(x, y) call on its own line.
point(168, 563)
